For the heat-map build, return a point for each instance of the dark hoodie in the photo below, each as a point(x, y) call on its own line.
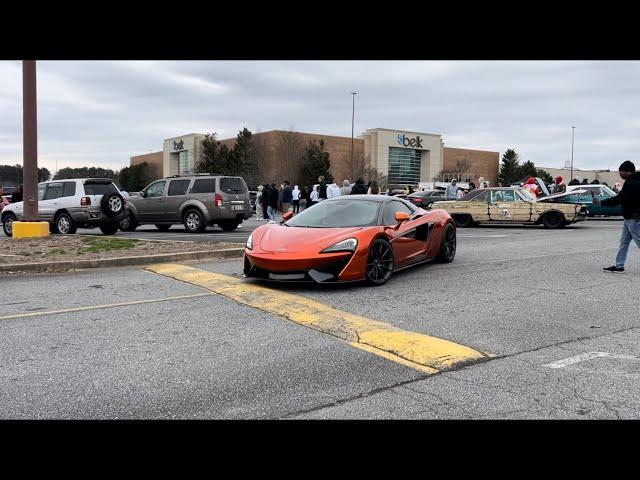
point(629, 198)
point(359, 188)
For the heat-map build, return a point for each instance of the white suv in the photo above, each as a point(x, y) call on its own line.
point(73, 203)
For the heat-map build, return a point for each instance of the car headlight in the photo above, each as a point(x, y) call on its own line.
point(348, 245)
point(249, 244)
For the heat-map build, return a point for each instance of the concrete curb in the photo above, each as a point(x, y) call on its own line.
point(121, 261)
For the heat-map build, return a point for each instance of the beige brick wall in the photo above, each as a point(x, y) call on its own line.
point(483, 163)
point(153, 159)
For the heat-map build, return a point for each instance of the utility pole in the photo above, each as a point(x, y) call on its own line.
point(573, 129)
point(353, 116)
point(30, 141)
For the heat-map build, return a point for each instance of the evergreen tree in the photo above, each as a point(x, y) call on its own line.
point(211, 161)
point(510, 168)
point(315, 162)
point(135, 177)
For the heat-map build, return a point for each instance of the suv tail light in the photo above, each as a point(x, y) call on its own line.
point(218, 199)
point(86, 201)
point(417, 200)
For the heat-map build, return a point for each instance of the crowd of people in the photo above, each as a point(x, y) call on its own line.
point(273, 200)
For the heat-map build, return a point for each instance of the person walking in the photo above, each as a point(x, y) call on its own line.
point(333, 190)
point(295, 197)
point(314, 196)
point(359, 187)
point(322, 189)
point(629, 198)
point(265, 200)
point(452, 190)
point(272, 210)
point(346, 188)
point(286, 196)
point(259, 210)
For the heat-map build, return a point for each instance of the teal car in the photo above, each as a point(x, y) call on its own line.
point(585, 193)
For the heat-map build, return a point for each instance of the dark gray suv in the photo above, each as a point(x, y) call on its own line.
point(196, 201)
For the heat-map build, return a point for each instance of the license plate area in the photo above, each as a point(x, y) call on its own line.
point(286, 276)
point(94, 215)
point(237, 207)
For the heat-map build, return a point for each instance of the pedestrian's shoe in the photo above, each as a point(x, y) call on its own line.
point(614, 269)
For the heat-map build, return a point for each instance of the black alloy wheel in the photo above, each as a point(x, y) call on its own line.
point(380, 263)
point(553, 220)
point(7, 224)
point(447, 244)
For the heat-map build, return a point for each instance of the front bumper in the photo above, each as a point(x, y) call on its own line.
point(321, 268)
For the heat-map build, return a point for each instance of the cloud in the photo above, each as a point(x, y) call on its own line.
point(101, 113)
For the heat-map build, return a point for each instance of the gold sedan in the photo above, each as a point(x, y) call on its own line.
point(507, 205)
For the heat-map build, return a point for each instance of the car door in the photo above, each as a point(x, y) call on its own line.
point(507, 206)
point(48, 207)
point(176, 196)
point(477, 207)
point(410, 240)
point(151, 208)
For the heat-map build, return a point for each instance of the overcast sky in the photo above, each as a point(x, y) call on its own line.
point(101, 113)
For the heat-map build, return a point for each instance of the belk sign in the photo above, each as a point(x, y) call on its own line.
point(410, 142)
point(178, 145)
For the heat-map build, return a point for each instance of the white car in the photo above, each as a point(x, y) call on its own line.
point(69, 204)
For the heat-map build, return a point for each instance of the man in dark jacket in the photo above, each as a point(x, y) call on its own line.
point(359, 188)
point(629, 198)
point(287, 198)
point(322, 189)
point(17, 194)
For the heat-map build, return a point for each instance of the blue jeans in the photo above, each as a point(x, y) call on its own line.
point(271, 213)
point(630, 230)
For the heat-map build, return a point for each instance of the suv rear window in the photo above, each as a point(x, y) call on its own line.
point(232, 185)
point(204, 185)
point(99, 188)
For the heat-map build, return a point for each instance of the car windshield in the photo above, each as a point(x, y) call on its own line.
point(526, 195)
point(608, 191)
point(338, 213)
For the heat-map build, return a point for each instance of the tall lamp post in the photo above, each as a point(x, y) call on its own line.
point(573, 129)
point(353, 116)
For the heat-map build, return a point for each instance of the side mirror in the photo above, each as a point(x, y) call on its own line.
point(143, 194)
point(287, 216)
point(401, 217)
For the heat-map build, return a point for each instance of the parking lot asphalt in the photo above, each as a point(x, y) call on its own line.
point(564, 335)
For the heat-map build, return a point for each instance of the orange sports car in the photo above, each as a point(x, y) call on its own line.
point(353, 238)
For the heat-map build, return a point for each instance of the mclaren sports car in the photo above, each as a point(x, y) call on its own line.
point(351, 238)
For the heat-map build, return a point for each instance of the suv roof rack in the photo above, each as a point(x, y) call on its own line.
point(191, 175)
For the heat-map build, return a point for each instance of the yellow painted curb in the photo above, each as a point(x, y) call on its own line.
point(416, 350)
point(30, 230)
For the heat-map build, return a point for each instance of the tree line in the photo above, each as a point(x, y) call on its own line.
point(511, 170)
point(14, 175)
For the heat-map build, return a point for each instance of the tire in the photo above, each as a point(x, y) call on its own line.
point(228, 225)
point(193, 221)
point(128, 223)
point(7, 224)
point(553, 220)
point(64, 224)
point(109, 228)
point(112, 204)
point(380, 263)
point(463, 220)
point(447, 245)
point(163, 228)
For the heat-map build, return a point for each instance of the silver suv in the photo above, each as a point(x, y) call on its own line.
point(195, 201)
point(69, 204)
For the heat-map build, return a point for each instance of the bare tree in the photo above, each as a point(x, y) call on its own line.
point(289, 151)
point(460, 171)
point(258, 159)
point(358, 167)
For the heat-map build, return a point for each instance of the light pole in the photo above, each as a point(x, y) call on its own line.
point(30, 141)
point(353, 116)
point(573, 129)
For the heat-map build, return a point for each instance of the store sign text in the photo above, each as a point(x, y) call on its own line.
point(178, 145)
point(410, 142)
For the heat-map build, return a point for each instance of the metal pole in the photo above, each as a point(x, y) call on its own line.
point(353, 116)
point(573, 129)
point(30, 141)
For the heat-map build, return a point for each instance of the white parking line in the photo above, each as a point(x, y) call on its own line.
point(588, 356)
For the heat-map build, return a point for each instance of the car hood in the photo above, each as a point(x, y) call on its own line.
point(281, 239)
point(560, 195)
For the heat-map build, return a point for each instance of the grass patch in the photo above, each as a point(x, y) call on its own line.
point(102, 244)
